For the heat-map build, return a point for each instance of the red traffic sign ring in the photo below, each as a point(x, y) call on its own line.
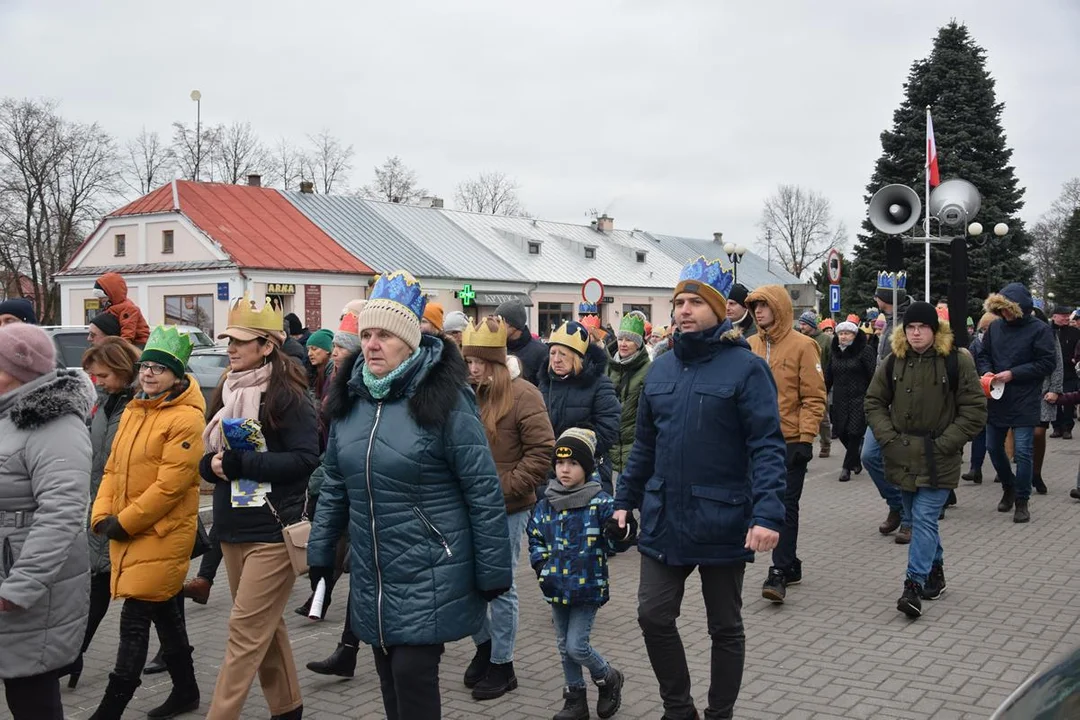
point(592, 291)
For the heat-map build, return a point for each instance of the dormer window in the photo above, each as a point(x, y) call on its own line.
point(640, 256)
point(534, 248)
point(590, 253)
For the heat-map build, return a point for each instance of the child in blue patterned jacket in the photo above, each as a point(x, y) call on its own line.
point(570, 535)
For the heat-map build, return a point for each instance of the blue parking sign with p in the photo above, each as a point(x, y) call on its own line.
point(834, 298)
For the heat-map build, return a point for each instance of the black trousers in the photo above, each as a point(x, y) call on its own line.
point(660, 596)
point(852, 450)
point(211, 559)
point(100, 597)
point(347, 636)
point(135, 619)
point(409, 678)
point(34, 698)
point(1064, 420)
point(785, 556)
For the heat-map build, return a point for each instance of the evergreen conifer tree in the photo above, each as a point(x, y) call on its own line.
point(1065, 282)
point(954, 82)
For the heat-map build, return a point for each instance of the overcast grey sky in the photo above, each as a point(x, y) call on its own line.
point(674, 116)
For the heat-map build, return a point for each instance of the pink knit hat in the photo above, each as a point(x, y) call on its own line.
point(26, 352)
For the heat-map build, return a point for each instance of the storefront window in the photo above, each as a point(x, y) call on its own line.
point(552, 315)
point(196, 310)
point(91, 308)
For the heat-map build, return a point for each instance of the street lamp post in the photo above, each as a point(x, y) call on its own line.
point(197, 97)
point(735, 255)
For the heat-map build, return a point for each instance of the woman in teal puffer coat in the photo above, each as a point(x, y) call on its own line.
point(410, 477)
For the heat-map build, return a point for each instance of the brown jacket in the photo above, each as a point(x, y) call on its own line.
point(795, 361)
point(524, 443)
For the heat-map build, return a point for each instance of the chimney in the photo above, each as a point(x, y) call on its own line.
point(605, 224)
point(307, 187)
point(255, 180)
point(718, 238)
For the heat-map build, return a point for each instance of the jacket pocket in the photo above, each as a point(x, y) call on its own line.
point(711, 402)
point(719, 516)
point(652, 507)
point(432, 531)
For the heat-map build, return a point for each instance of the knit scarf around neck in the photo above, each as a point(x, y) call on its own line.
point(564, 498)
point(379, 387)
point(242, 394)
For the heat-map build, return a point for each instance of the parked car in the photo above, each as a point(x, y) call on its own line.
point(1051, 695)
point(71, 342)
point(198, 338)
point(208, 364)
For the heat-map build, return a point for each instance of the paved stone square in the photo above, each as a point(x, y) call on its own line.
point(837, 649)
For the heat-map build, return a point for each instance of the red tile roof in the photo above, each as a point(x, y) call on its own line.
point(256, 226)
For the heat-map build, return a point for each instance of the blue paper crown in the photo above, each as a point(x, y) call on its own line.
point(885, 280)
point(402, 288)
point(711, 273)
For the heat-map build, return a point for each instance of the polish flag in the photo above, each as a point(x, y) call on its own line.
point(931, 153)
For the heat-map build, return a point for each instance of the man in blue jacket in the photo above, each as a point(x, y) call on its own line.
point(1020, 352)
point(707, 474)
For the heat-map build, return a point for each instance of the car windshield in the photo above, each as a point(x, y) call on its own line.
point(210, 362)
point(71, 345)
point(200, 339)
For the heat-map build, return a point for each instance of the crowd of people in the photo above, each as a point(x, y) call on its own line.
point(425, 454)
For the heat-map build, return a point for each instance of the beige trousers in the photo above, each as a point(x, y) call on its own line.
point(260, 579)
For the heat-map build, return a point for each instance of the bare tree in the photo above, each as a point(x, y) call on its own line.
point(327, 163)
point(798, 226)
point(490, 192)
point(1047, 232)
point(238, 153)
point(284, 165)
point(394, 182)
point(56, 178)
point(147, 162)
point(194, 154)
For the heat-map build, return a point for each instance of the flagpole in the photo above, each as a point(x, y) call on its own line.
point(926, 216)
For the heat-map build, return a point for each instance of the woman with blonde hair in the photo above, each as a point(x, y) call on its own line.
point(521, 439)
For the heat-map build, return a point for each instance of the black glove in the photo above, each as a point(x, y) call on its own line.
point(802, 453)
point(111, 528)
point(490, 595)
point(317, 573)
point(613, 532)
point(538, 568)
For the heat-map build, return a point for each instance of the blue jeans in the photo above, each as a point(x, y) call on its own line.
point(924, 506)
point(501, 619)
point(1024, 444)
point(874, 462)
point(978, 451)
point(573, 624)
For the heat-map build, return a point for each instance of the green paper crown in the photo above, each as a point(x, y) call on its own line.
point(167, 339)
point(632, 324)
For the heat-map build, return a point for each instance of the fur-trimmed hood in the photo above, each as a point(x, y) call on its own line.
point(1014, 297)
point(432, 385)
point(943, 341)
point(59, 393)
point(593, 366)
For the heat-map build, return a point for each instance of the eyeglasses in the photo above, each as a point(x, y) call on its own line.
point(152, 368)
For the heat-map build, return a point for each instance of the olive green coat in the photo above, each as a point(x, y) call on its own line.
point(921, 423)
point(627, 379)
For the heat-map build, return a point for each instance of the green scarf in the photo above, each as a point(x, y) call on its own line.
point(380, 387)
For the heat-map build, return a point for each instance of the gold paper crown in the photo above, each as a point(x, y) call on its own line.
point(483, 335)
point(243, 314)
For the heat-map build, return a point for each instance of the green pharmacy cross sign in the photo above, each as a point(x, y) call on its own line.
point(466, 295)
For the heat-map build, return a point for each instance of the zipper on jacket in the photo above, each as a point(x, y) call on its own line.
point(434, 530)
point(374, 535)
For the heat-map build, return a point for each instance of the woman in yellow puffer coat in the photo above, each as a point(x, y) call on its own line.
point(148, 506)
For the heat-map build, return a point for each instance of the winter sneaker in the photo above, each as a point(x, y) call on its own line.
point(1008, 497)
point(478, 668)
point(909, 602)
point(845, 475)
point(891, 523)
point(824, 452)
point(1021, 514)
point(1075, 493)
point(1066, 435)
point(793, 575)
point(575, 707)
point(935, 583)
point(1038, 484)
point(498, 681)
point(610, 693)
point(903, 536)
point(342, 662)
point(975, 476)
point(775, 587)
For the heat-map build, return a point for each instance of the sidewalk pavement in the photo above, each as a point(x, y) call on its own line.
point(837, 649)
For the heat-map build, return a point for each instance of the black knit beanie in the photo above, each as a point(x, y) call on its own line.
point(922, 312)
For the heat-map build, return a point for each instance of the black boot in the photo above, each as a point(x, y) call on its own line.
point(478, 668)
point(155, 666)
point(342, 662)
point(974, 476)
point(73, 671)
point(118, 694)
point(910, 603)
point(297, 714)
point(184, 697)
point(1039, 485)
point(845, 475)
point(500, 679)
point(1021, 514)
point(610, 693)
point(1008, 497)
point(576, 706)
point(952, 498)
